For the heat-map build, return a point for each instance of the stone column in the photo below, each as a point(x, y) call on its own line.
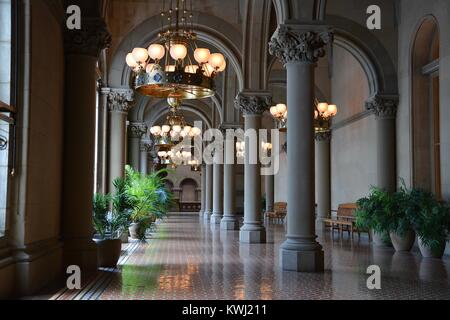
point(145, 149)
point(385, 109)
point(82, 48)
point(299, 47)
point(203, 186)
point(119, 103)
point(102, 143)
point(136, 131)
point(323, 180)
point(230, 220)
point(252, 105)
point(217, 215)
point(269, 186)
point(208, 192)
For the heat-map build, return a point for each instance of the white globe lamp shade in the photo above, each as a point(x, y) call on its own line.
point(156, 51)
point(281, 108)
point(316, 114)
point(209, 69)
point(222, 67)
point(150, 67)
point(216, 60)
point(322, 107)
point(176, 129)
point(178, 52)
point(140, 55)
point(131, 62)
point(155, 130)
point(273, 111)
point(165, 129)
point(187, 129)
point(332, 109)
point(201, 55)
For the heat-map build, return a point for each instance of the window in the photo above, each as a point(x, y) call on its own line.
point(6, 110)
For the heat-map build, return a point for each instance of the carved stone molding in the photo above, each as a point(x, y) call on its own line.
point(323, 136)
point(120, 100)
point(383, 106)
point(90, 40)
point(300, 43)
point(253, 103)
point(137, 129)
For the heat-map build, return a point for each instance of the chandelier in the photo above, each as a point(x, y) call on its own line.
point(175, 158)
point(175, 66)
point(279, 112)
point(323, 112)
point(175, 128)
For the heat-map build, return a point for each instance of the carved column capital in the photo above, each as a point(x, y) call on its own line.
point(323, 136)
point(300, 43)
point(120, 100)
point(383, 106)
point(253, 102)
point(137, 129)
point(90, 40)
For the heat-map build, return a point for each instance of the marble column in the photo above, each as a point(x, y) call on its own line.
point(203, 186)
point(217, 213)
point(385, 109)
point(208, 192)
point(82, 49)
point(252, 104)
point(230, 220)
point(323, 177)
point(299, 47)
point(136, 131)
point(269, 186)
point(102, 142)
point(119, 103)
point(145, 148)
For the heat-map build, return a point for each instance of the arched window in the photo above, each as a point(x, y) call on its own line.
point(425, 107)
point(7, 101)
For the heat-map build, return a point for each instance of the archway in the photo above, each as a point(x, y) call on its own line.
point(425, 107)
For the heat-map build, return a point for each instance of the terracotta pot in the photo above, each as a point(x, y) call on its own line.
point(379, 241)
point(108, 252)
point(404, 243)
point(428, 253)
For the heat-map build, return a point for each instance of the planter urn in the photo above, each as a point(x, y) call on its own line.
point(427, 252)
point(404, 243)
point(108, 252)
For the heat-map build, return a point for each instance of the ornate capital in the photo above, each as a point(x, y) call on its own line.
point(90, 40)
point(300, 43)
point(120, 100)
point(323, 136)
point(137, 129)
point(253, 103)
point(383, 106)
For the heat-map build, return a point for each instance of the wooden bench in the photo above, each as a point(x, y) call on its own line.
point(278, 214)
point(345, 220)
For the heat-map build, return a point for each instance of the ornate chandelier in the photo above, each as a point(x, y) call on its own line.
point(279, 112)
point(167, 68)
point(175, 158)
point(175, 127)
point(323, 112)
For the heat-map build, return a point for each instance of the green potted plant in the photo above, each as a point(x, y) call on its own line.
point(371, 213)
point(121, 204)
point(431, 220)
point(108, 226)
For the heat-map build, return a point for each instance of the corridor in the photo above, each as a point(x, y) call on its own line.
point(187, 260)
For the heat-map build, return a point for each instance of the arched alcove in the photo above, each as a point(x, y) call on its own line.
point(425, 107)
point(188, 191)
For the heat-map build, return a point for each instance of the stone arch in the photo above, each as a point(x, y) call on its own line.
point(294, 9)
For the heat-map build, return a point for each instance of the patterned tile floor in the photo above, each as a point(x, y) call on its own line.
point(187, 259)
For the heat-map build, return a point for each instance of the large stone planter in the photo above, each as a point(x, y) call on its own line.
point(428, 253)
point(108, 252)
point(404, 243)
point(136, 231)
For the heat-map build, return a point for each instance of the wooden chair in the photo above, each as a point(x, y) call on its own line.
point(345, 220)
point(278, 214)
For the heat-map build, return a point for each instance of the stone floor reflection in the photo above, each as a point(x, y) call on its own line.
point(188, 259)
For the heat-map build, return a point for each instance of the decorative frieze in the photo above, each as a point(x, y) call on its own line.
point(323, 136)
point(120, 100)
point(383, 106)
point(253, 103)
point(300, 43)
point(137, 129)
point(89, 40)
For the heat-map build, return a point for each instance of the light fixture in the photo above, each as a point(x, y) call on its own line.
point(175, 129)
point(279, 112)
point(178, 67)
point(240, 149)
point(323, 112)
point(195, 165)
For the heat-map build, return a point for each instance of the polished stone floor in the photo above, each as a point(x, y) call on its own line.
point(187, 259)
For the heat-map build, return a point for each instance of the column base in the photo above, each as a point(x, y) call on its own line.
point(229, 223)
point(305, 256)
point(216, 217)
point(207, 216)
point(252, 234)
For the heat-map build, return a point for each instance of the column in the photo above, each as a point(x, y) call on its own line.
point(208, 192)
point(203, 186)
point(323, 181)
point(299, 47)
point(217, 215)
point(145, 149)
point(230, 220)
point(252, 105)
point(136, 131)
point(119, 103)
point(102, 142)
point(385, 109)
point(82, 48)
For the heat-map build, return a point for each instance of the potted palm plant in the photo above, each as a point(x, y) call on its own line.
point(108, 226)
point(121, 204)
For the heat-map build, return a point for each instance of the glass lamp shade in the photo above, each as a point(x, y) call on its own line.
point(223, 67)
point(196, 131)
point(273, 111)
point(131, 62)
point(191, 69)
point(140, 55)
point(281, 108)
point(156, 131)
point(156, 51)
point(178, 51)
point(165, 129)
point(150, 67)
point(209, 69)
point(216, 60)
point(322, 107)
point(176, 129)
point(201, 55)
point(332, 110)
